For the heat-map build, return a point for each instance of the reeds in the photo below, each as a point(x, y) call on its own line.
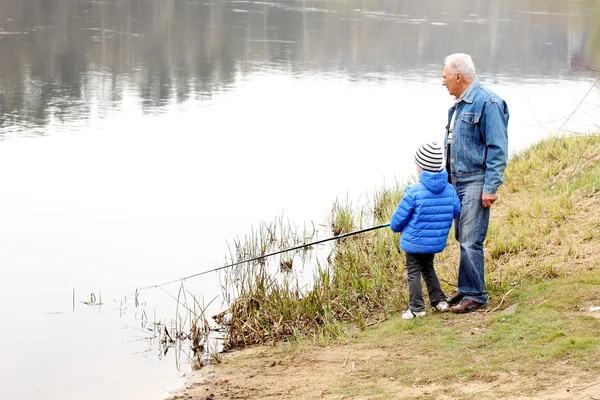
point(357, 279)
point(535, 234)
point(360, 279)
point(267, 300)
point(188, 333)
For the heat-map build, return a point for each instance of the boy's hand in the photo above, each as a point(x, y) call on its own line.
point(488, 199)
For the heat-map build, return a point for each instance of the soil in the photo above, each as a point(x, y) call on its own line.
point(321, 372)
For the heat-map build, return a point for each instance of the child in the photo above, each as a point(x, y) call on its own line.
point(424, 217)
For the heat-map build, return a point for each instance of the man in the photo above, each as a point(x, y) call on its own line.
point(476, 156)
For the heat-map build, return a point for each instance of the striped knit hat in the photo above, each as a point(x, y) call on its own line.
point(430, 157)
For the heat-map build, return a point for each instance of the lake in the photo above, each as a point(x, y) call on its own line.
point(140, 138)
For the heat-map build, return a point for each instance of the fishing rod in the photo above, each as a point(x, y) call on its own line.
point(344, 235)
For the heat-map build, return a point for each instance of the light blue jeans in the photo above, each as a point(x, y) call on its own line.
point(470, 229)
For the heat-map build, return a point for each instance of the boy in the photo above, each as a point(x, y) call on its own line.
point(424, 217)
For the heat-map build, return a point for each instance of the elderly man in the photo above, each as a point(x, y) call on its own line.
point(476, 156)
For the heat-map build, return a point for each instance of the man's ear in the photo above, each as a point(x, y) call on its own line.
point(459, 77)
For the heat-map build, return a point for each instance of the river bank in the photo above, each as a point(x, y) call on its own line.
point(538, 337)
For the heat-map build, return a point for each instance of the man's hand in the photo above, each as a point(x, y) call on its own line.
point(488, 199)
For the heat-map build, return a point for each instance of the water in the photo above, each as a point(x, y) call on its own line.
point(139, 138)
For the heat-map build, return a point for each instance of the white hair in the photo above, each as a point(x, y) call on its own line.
point(461, 62)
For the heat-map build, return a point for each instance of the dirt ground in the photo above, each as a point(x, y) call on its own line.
point(328, 372)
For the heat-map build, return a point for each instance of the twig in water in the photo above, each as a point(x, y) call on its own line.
point(501, 301)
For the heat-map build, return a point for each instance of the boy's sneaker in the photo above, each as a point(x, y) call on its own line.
point(442, 306)
point(410, 315)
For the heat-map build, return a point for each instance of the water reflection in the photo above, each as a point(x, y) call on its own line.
point(69, 59)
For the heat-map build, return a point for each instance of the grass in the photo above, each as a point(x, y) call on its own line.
point(549, 329)
point(542, 263)
point(543, 228)
point(539, 234)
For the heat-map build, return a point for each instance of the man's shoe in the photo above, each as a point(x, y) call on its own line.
point(466, 306)
point(454, 298)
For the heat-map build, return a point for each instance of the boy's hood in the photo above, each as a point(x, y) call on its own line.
point(435, 182)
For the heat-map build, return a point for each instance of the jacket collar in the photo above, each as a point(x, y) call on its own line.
point(471, 90)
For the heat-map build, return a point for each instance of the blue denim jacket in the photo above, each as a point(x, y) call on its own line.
point(479, 138)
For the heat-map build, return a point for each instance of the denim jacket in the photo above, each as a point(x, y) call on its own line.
point(479, 148)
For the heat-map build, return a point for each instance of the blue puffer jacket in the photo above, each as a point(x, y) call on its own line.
point(425, 214)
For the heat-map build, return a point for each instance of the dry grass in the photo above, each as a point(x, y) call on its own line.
point(549, 348)
point(545, 225)
point(542, 258)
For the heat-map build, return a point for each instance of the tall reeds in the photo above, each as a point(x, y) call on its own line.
point(360, 279)
point(188, 333)
point(357, 279)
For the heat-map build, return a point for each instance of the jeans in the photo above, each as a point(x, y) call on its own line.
point(417, 265)
point(470, 229)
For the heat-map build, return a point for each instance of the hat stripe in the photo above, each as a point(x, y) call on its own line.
point(430, 157)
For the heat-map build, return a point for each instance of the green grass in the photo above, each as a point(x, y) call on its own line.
point(544, 227)
point(541, 256)
point(548, 330)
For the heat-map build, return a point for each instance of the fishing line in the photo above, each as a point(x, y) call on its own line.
point(344, 235)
